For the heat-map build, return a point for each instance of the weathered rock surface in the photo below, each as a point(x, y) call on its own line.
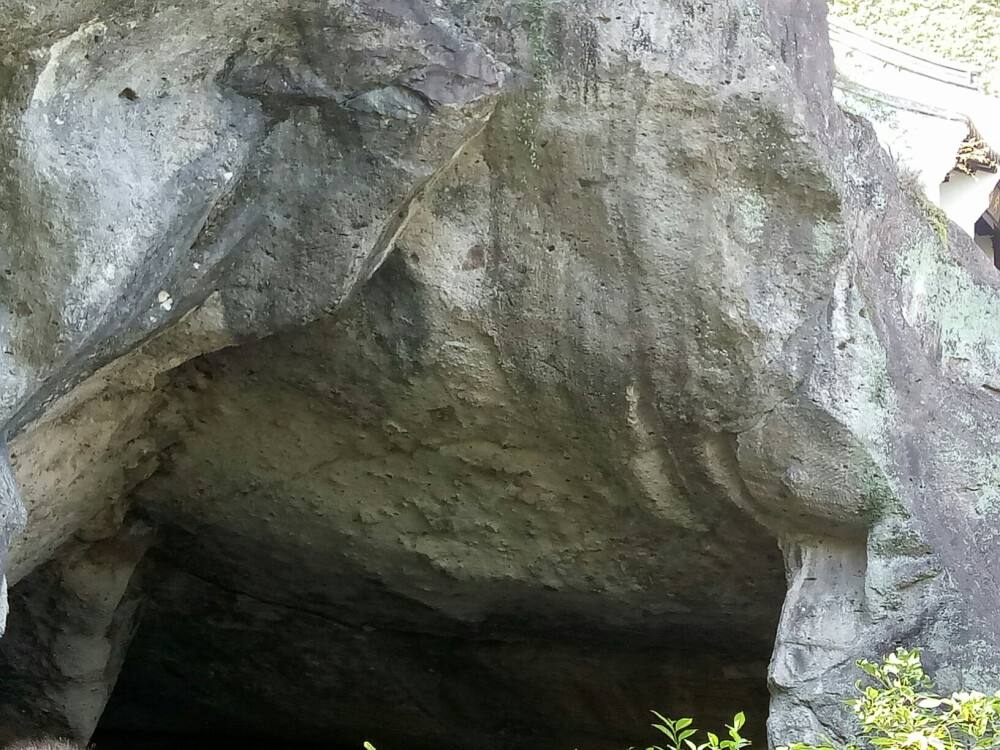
point(445, 448)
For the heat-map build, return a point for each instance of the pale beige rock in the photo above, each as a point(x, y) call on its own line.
point(77, 463)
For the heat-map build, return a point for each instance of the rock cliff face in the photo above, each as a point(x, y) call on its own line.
point(473, 374)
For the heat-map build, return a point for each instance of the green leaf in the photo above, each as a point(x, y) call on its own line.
point(739, 720)
point(681, 723)
point(665, 720)
point(868, 668)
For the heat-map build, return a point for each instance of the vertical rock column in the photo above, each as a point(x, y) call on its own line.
point(11, 521)
point(65, 645)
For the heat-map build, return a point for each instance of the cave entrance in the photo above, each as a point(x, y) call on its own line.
point(358, 540)
point(382, 557)
point(215, 665)
point(256, 639)
point(210, 665)
point(251, 674)
point(230, 639)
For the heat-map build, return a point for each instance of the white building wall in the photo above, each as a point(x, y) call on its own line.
point(964, 198)
point(921, 110)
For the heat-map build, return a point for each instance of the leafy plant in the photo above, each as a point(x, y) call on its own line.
point(679, 733)
point(909, 183)
point(901, 711)
point(536, 21)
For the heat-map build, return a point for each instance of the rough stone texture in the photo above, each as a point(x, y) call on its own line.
point(124, 196)
point(94, 446)
point(66, 655)
point(44, 744)
point(463, 451)
point(401, 487)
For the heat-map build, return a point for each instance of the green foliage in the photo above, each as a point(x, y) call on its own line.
point(966, 31)
point(909, 183)
point(536, 24)
point(679, 733)
point(901, 710)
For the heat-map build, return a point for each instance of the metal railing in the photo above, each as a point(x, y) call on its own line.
point(852, 39)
